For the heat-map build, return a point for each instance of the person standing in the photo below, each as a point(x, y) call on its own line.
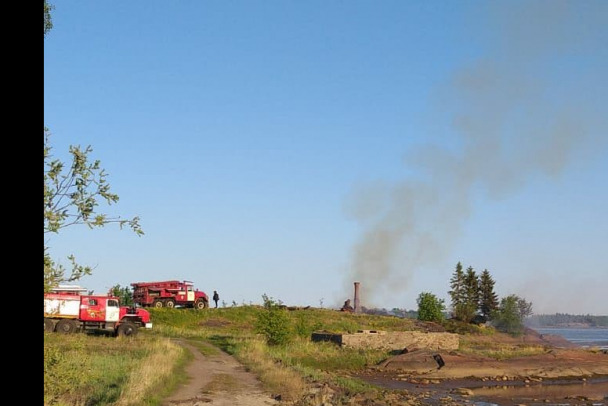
point(216, 297)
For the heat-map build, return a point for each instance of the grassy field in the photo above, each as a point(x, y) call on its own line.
point(85, 370)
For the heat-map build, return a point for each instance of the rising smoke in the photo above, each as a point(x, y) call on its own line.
point(527, 109)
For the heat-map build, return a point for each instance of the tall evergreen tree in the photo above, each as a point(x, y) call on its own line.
point(488, 301)
point(469, 307)
point(457, 292)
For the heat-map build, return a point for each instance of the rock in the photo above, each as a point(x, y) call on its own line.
point(462, 391)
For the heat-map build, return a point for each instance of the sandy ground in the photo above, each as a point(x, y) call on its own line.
point(218, 380)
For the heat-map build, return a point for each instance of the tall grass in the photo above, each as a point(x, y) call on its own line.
point(155, 370)
point(85, 369)
point(275, 377)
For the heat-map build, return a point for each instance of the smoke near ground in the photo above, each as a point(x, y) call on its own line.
point(527, 109)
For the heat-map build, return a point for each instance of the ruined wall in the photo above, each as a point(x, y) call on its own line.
point(393, 340)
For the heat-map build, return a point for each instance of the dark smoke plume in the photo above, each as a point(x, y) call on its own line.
point(526, 110)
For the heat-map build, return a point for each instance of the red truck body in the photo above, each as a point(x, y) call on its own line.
point(69, 312)
point(169, 294)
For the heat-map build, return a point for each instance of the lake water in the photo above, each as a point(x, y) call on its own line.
point(583, 337)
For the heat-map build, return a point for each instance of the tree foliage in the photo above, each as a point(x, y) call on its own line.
point(123, 293)
point(430, 308)
point(509, 317)
point(73, 192)
point(457, 292)
point(471, 294)
point(488, 299)
point(48, 21)
point(464, 293)
point(273, 322)
point(566, 320)
point(524, 308)
point(474, 300)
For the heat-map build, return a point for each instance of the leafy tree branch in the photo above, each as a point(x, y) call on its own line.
point(72, 196)
point(73, 192)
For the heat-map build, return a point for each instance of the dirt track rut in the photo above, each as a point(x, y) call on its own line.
point(218, 380)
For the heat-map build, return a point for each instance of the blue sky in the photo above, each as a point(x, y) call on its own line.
point(291, 148)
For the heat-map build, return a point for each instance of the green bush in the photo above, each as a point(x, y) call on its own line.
point(273, 323)
point(510, 314)
point(430, 308)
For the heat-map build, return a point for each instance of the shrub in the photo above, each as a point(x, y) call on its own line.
point(510, 314)
point(430, 308)
point(273, 323)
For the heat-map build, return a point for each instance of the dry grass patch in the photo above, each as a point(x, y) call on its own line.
point(275, 377)
point(500, 351)
point(153, 370)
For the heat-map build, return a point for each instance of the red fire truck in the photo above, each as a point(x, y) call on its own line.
point(67, 310)
point(169, 294)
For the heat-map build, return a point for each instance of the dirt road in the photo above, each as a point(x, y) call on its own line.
point(219, 380)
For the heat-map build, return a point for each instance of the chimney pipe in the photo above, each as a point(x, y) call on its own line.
point(357, 302)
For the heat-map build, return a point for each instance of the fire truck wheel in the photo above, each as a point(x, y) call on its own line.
point(127, 329)
point(200, 304)
point(170, 304)
point(158, 303)
point(49, 326)
point(66, 326)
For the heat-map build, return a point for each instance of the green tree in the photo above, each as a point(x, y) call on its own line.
point(457, 292)
point(123, 293)
point(48, 21)
point(430, 308)
point(509, 318)
point(524, 308)
point(464, 293)
point(72, 194)
point(71, 197)
point(488, 300)
point(273, 322)
point(471, 294)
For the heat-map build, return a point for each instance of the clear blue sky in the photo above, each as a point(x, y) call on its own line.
point(291, 148)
